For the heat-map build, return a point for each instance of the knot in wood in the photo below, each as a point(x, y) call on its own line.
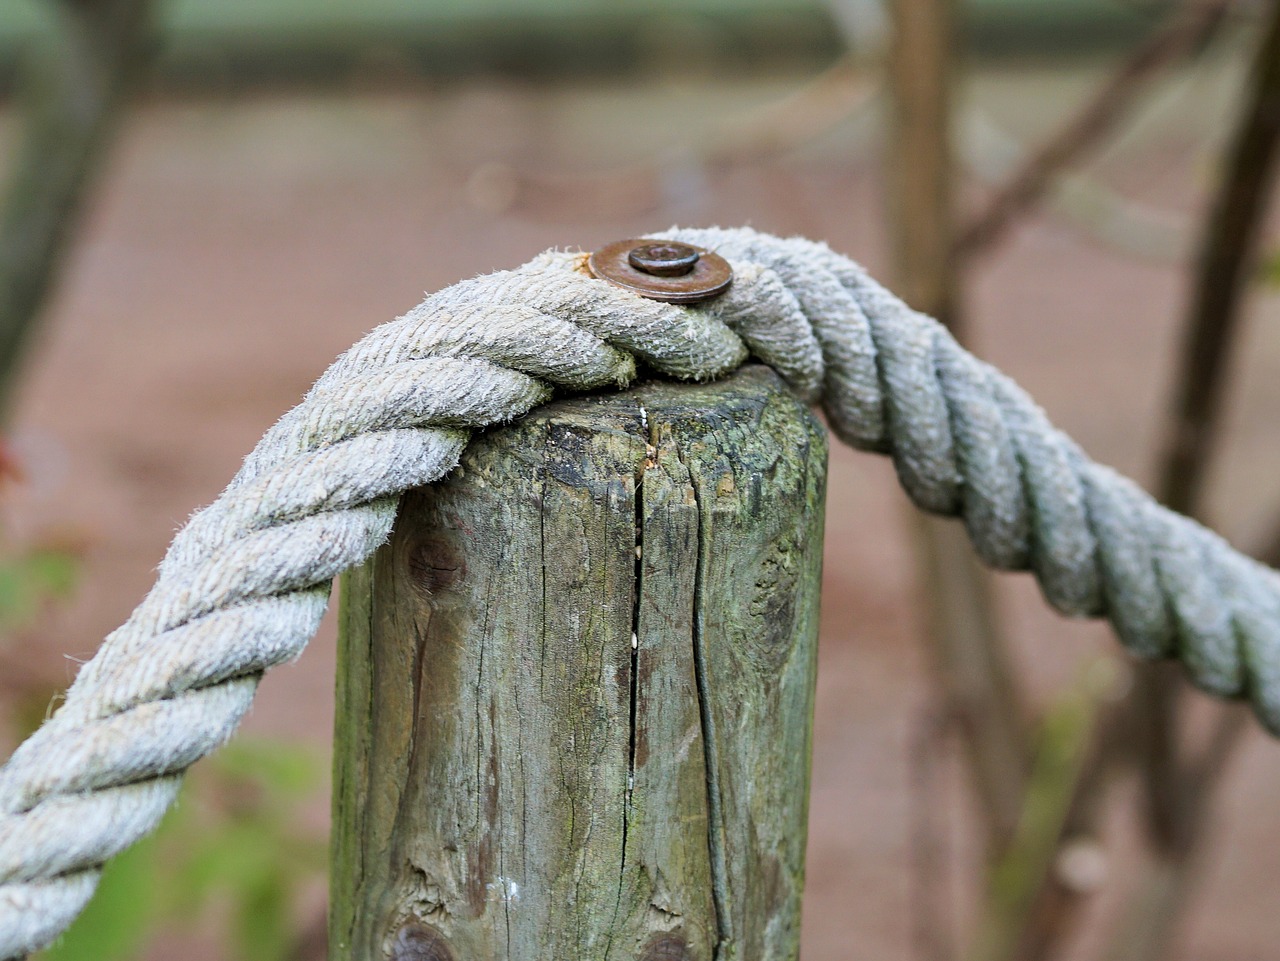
point(436, 563)
point(666, 947)
point(420, 942)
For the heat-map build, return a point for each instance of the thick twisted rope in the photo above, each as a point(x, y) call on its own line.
point(244, 584)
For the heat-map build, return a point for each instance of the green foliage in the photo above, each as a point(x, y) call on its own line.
point(30, 581)
point(1061, 750)
point(1269, 268)
point(118, 921)
point(231, 846)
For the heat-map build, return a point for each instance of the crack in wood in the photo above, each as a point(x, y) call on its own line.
point(715, 812)
point(559, 736)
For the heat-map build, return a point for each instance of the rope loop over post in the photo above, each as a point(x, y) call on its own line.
point(244, 584)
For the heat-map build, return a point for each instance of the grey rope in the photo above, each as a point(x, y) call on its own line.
point(244, 584)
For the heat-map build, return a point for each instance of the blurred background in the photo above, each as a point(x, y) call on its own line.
point(206, 202)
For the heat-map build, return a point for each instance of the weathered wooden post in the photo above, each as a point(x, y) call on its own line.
point(575, 690)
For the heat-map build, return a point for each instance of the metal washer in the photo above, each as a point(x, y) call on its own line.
point(710, 276)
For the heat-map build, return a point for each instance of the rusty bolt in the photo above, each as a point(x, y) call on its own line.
point(663, 270)
point(665, 259)
point(420, 942)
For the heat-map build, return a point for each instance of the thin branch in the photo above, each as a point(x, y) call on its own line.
point(1150, 920)
point(72, 97)
point(972, 664)
point(1156, 729)
point(1207, 769)
point(1179, 793)
point(1267, 548)
point(1144, 728)
point(975, 672)
point(1065, 743)
point(1056, 907)
point(1224, 268)
point(932, 924)
point(1146, 931)
point(829, 99)
point(1186, 32)
point(922, 71)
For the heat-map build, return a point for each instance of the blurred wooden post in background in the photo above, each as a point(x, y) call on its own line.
point(575, 690)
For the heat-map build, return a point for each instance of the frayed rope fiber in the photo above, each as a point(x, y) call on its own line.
point(244, 584)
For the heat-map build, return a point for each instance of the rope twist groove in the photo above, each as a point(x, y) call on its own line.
point(244, 584)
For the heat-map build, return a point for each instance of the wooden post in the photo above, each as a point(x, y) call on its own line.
point(575, 690)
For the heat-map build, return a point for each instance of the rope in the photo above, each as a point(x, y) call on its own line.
point(244, 584)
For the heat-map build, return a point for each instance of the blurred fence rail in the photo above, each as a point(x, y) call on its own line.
point(241, 42)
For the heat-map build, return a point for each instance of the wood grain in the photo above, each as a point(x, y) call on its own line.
point(515, 777)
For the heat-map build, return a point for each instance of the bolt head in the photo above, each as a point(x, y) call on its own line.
point(664, 259)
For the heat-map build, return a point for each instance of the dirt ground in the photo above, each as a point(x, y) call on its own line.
point(237, 246)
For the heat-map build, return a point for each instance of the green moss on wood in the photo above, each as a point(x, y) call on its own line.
point(508, 770)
